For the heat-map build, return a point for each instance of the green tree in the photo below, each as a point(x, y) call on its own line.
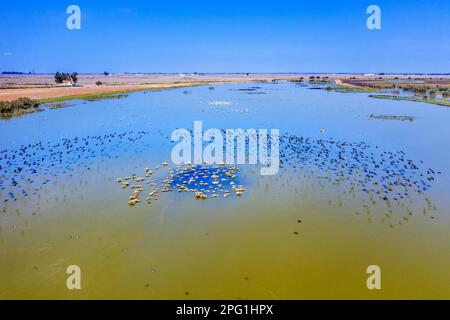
point(74, 77)
point(59, 77)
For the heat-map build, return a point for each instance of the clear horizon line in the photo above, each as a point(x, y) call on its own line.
point(231, 73)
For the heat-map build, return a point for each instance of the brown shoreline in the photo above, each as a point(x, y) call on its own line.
point(43, 88)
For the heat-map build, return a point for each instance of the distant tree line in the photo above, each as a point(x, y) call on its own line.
point(61, 77)
point(14, 72)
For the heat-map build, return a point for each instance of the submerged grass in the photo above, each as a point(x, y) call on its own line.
point(413, 99)
point(59, 105)
point(347, 89)
point(91, 96)
point(391, 117)
point(111, 95)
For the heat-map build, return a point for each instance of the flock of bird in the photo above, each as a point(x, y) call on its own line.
point(204, 181)
point(382, 179)
point(25, 170)
point(358, 170)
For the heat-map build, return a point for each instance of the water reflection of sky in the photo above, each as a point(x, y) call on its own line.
point(351, 191)
point(52, 143)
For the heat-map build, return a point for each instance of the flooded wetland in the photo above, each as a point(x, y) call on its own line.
point(361, 182)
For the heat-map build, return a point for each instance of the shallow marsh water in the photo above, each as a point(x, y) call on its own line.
point(303, 233)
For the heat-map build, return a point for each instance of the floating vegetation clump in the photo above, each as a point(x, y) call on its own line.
point(223, 107)
point(251, 90)
point(59, 105)
point(225, 110)
point(391, 117)
point(412, 99)
point(256, 92)
point(106, 96)
point(219, 103)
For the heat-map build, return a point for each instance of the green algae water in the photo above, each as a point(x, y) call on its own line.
point(353, 190)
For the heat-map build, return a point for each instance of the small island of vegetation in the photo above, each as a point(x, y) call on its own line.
point(21, 106)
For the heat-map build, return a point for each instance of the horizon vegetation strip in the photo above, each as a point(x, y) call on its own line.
point(121, 93)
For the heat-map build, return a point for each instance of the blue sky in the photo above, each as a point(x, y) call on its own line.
point(225, 36)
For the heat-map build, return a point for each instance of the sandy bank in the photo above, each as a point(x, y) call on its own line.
point(42, 87)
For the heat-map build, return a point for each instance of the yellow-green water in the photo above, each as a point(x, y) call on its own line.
point(244, 250)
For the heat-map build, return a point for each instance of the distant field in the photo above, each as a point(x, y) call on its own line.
point(42, 87)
